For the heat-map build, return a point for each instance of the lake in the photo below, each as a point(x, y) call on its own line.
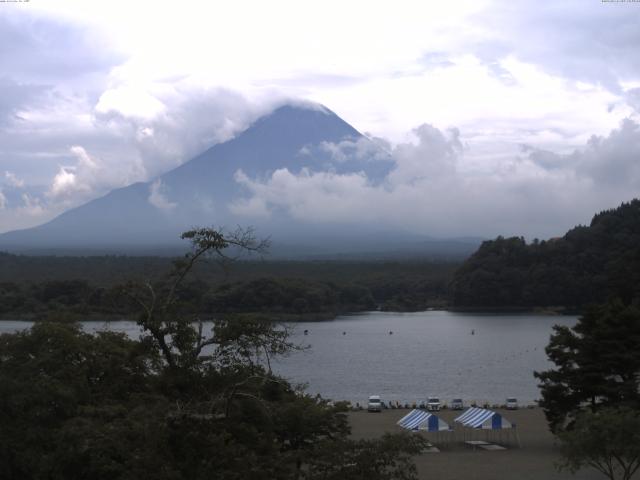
point(429, 353)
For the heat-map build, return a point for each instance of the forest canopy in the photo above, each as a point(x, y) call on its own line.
point(587, 265)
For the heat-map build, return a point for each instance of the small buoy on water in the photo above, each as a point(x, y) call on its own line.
point(390, 332)
point(473, 332)
point(344, 333)
point(306, 332)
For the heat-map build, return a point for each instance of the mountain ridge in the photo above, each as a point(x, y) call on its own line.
point(128, 212)
point(202, 190)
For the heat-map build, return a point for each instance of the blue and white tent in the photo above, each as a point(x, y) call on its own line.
point(484, 419)
point(425, 421)
point(494, 425)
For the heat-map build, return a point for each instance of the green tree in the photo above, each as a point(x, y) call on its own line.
point(607, 440)
point(597, 364)
point(588, 264)
point(54, 381)
point(389, 458)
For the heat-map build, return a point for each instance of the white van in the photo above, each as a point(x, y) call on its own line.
point(374, 404)
point(433, 404)
point(512, 403)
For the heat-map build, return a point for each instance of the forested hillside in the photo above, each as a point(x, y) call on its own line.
point(87, 287)
point(588, 265)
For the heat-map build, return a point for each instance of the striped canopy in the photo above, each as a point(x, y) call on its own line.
point(421, 420)
point(484, 419)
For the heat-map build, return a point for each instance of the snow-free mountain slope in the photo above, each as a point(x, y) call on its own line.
point(201, 191)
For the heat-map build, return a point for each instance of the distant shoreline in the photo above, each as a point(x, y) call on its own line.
point(305, 317)
point(554, 310)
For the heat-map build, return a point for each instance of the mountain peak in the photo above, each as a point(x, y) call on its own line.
point(295, 136)
point(303, 122)
point(303, 105)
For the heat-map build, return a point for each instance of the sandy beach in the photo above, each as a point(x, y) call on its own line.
point(533, 461)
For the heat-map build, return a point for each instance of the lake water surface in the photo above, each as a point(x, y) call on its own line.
point(429, 353)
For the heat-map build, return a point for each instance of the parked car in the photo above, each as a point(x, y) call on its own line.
point(374, 404)
point(456, 404)
point(433, 404)
point(512, 403)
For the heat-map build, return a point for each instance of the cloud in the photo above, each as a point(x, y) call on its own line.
point(544, 158)
point(3, 201)
point(31, 206)
point(157, 197)
point(117, 146)
point(433, 60)
point(431, 191)
point(497, 70)
point(434, 156)
point(169, 124)
point(129, 101)
point(632, 97)
point(361, 148)
point(52, 49)
point(80, 181)
point(65, 183)
point(17, 97)
point(13, 180)
point(315, 196)
point(613, 160)
point(594, 42)
point(84, 160)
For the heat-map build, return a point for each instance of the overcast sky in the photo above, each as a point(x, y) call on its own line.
point(504, 117)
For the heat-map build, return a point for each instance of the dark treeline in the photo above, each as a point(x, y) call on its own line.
point(588, 265)
point(83, 287)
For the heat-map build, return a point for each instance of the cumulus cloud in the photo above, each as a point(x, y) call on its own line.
point(119, 146)
point(315, 196)
point(129, 101)
point(80, 181)
point(65, 183)
point(13, 180)
point(23, 209)
point(31, 206)
point(170, 124)
point(434, 156)
point(613, 160)
point(254, 207)
point(361, 148)
point(157, 197)
point(539, 193)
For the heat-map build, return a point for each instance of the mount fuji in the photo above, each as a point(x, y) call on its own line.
point(204, 190)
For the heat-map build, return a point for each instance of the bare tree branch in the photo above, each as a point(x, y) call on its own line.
point(178, 340)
